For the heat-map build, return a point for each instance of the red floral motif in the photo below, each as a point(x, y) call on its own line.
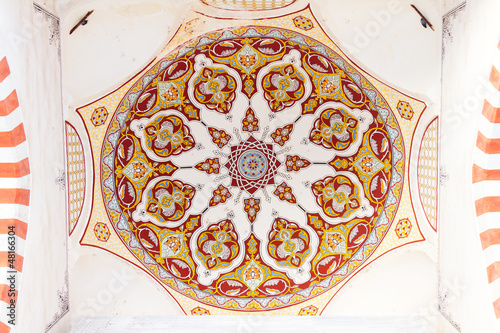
point(283, 86)
point(251, 207)
point(168, 91)
point(215, 88)
point(334, 129)
point(169, 200)
point(288, 243)
point(295, 163)
point(282, 134)
point(247, 56)
point(167, 135)
point(253, 277)
point(339, 242)
point(218, 246)
point(219, 195)
point(284, 193)
point(209, 166)
point(338, 196)
point(250, 123)
point(219, 137)
point(169, 246)
point(326, 78)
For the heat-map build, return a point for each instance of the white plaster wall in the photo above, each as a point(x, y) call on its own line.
point(35, 69)
point(466, 67)
point(50, 5)
point(109, 50)
point(120, 39)
point(386, 38)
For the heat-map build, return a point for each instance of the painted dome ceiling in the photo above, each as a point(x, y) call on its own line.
point(252, 167)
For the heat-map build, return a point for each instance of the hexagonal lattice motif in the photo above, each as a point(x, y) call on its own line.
point(310, 310)
point(76, 175)
point(303, 23)
point(101, 232)
point(403, 228)
point(428, 172)
point(200, 312)
point(405, 110)
point(99, 116)
point(248, 5)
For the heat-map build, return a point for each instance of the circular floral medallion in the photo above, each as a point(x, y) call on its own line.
point(252, 169)
point(252, 164)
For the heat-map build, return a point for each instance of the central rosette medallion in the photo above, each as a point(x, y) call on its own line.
point(252, 165)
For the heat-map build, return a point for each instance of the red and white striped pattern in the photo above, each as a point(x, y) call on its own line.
point(486, 180)
point(15, 185)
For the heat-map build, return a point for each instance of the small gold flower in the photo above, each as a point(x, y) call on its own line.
point(334, 240)
point(327, 86)
point(247, 60)
point(139, 170)
point(367, 164)
point(173, 243)
point(252, 273)
point(171, 94)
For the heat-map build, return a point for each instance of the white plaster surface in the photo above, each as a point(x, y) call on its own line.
point(230, 324)
point(466, 67)
point(35, 69)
